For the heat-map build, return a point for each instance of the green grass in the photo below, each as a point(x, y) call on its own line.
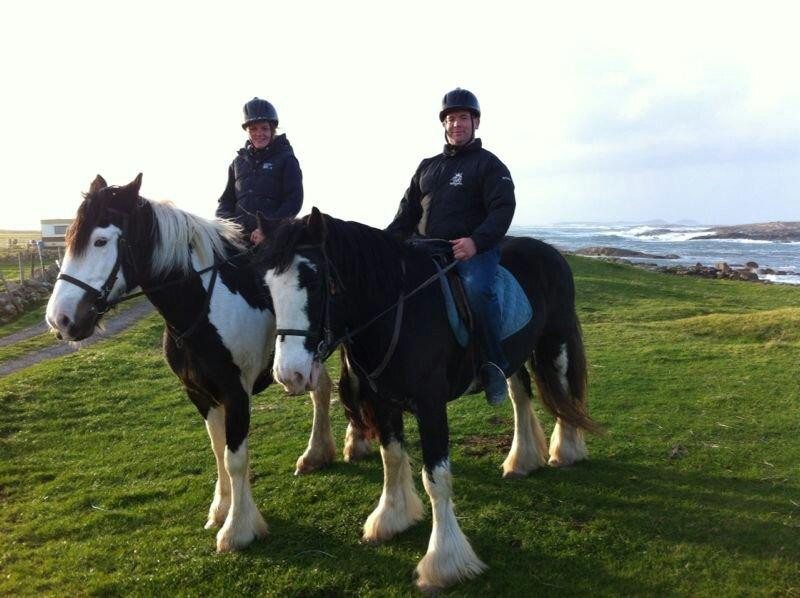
point(29, 318)
point(106, 473)
point(32, 344)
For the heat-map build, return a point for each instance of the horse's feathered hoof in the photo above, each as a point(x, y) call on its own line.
point(437, 571)
point(231, 538)
point(308, 461)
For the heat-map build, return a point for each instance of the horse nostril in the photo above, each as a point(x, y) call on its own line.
point(298, 380)
point(63, 321)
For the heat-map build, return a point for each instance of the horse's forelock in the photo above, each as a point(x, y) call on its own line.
point(90, 215)
point(279, 251)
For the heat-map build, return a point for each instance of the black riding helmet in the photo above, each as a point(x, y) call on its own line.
point(257, 110)
point(459, 99)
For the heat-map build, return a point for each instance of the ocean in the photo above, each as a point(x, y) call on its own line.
point(678, 241)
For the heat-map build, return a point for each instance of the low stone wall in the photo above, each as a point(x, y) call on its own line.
point(20, 298)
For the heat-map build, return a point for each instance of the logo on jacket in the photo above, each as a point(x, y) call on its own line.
point(267, 166)
point(456, 180)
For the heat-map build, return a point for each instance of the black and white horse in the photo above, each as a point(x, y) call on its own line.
point(328, 278)
point(219, 342)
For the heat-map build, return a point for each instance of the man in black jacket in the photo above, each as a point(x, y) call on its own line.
point(466, 195)
point(264, 176)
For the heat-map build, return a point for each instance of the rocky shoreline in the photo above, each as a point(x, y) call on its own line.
point(780, 232)
point(749, 271)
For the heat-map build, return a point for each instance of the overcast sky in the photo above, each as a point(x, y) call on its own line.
point(602, 111)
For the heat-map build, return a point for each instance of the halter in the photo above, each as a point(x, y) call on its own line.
point(101, 304)
point(327, 345)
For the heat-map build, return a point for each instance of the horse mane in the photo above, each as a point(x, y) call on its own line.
point(368, 257)
point(177, 230)
point(169, 230)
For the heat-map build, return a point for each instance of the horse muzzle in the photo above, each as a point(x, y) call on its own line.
point(65, 328)
point(296, 380)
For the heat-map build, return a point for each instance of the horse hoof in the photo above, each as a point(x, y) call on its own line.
point(307, 464)
point(514, 475)
point(211, 524)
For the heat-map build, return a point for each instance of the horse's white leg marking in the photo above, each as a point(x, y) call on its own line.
point(450, 557)
point(356, 445)
point(215, 424)
point(567, 445)
point(529, 447)
point(244, 522)
point(321, 448)
point(399, 507)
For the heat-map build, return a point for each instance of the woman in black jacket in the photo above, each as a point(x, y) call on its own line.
point(264, 176)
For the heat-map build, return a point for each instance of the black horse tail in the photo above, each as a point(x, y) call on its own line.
point(559, 366)
point(351, 388)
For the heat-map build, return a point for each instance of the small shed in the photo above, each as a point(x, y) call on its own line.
point(53, 231)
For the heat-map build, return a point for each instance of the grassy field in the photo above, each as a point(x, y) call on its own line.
point(106, 473)
point(22, 236)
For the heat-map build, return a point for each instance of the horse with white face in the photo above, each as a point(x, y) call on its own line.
point(219, 333)
point(335, 281)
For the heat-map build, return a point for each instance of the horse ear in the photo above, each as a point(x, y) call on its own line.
point(266, 225)
point(97, 184)
point(316, 226)
point(135, 184)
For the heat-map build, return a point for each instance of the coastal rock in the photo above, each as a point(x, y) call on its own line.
point(751, 265)
point(723, 267)
point(746, 275)
point(764, 231)
point(617, 252)
point(655, 232)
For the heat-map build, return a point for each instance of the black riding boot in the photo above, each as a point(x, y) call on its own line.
point(493, 362)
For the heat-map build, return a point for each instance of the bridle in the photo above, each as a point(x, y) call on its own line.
point(327, 343)
point(125, 261)
point(323, 336)
point(100, 303)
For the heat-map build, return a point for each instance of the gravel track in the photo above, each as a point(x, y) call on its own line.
point(113, 325)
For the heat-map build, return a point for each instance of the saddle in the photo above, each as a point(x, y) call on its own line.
point(515, 309)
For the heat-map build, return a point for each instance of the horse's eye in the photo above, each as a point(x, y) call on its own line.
point(100, 242)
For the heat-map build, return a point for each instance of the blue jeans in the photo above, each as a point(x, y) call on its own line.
point(478, 274)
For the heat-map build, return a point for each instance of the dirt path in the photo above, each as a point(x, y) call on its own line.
point(24, 334)
point(113, 326)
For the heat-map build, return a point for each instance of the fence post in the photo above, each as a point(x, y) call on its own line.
point(41, 261)
point(21, 271)
point(33, 264)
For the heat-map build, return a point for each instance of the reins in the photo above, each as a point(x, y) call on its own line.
point(327, 344)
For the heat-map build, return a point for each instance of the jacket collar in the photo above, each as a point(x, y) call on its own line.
point(279, 145)
point(460, 150)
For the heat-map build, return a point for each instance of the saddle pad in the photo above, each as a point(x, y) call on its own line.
point(515, 309)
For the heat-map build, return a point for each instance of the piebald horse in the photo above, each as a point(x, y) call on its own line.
point(219, 333)
point(343, 282)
